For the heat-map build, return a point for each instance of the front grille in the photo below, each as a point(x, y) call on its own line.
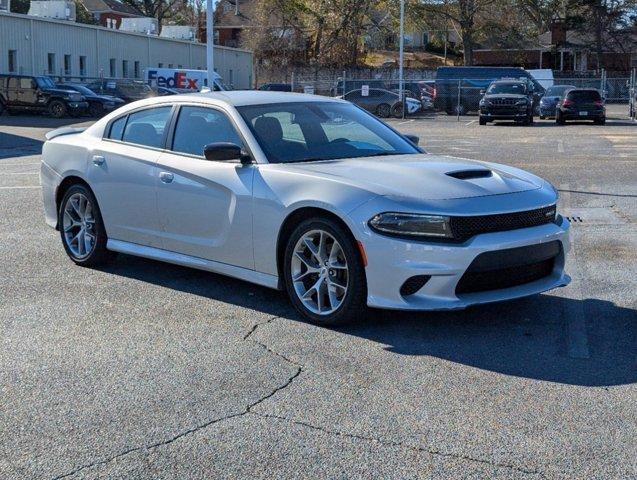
point(504, 101)
point(466, 227)
point(509, 268)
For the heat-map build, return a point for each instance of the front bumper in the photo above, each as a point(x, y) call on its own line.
point(547, 111)
point(590, 114)
point(503, 114)
point(392, 261)
point(77, 106)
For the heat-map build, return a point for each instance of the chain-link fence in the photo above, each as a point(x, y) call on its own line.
point(455, 96)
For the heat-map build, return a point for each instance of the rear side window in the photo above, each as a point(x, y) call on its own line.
point(199, 126)
point(584, 96)
point(117, 128)
point(147, 127)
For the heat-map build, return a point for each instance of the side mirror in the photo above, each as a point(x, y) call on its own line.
point(224, 151)
point(413, 139)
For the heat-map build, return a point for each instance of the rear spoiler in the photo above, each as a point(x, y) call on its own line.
point(63, 131)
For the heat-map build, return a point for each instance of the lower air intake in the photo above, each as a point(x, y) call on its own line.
point(413, 284)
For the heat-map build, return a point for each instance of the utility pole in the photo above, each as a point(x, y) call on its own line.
point(401, 54)
point(210, 44)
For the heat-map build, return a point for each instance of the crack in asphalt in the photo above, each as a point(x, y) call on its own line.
point(249, 411)
point(391, 443)
point(246, 411)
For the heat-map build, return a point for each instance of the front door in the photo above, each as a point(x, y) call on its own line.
point(205, 207)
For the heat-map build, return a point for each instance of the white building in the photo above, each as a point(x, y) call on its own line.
point(36, 46)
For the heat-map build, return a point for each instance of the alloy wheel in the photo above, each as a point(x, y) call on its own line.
point(79, 226)
point(319, 272)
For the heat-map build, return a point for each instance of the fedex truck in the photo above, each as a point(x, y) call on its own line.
point(181, 78)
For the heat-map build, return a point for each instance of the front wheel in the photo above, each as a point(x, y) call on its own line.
point(324, 273)
point(57, 109)
point(482, 120)
point(81, 227)
point(383, 110)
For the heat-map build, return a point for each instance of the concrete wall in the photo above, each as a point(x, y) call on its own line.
point(35, 38)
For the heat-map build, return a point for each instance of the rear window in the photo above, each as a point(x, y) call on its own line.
point(117, 128)
point(584, 96)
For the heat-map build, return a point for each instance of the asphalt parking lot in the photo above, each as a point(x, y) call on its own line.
point(144, 370)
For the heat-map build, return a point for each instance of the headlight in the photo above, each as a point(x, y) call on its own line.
point(412, 224)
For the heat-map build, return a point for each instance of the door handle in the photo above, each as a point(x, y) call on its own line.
point(166, 177)
point(98, 160)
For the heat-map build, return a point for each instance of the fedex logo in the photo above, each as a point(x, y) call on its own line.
point(178, 79)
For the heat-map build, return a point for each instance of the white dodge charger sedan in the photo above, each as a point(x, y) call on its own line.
point(303, 193)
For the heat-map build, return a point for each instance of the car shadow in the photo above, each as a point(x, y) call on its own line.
point(529, 338)
point(12, 145)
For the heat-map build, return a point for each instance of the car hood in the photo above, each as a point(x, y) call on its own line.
point(506, 95)
point(422, 176)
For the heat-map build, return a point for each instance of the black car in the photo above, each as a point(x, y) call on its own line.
point(581, 104)
point(276, 87)
point(127, 90)
point(98, 105)
point(38, 94)
point(508, 100)
point(471, 81)
point(552, 96)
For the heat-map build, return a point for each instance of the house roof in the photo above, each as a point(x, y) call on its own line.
point(96, 6)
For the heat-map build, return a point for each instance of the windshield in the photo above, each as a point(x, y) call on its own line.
point(306, 131)
point(45, 82)
point(558, 90)
point(83, 90)
point(134, 89)
point(508, 88)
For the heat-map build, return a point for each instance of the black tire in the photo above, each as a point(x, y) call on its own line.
point(600, 121)
point(559, 119)
point(99, 254)
point(354, 303)
point(383, 110)
point(482, 121)
point(57, 109)
point(397, 110)
point(95, 109)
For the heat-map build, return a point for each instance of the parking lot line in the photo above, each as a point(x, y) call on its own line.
point(20, 187)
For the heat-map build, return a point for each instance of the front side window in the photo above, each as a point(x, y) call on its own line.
point(147, 127)
point(307, 131)
point(199, 126)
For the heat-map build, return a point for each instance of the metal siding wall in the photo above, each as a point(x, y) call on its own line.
point(15, 34)
point(99, 45)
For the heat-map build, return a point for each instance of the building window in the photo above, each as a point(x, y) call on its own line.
point(113, 68)
point(136, 67)
point(50, 63)
point(125, 68)
point(179, 66)
point(13, 61)
point(82, 65)
point(67, 64)
point(160, 65)
point(170, 65)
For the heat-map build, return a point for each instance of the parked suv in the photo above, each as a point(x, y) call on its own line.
point(38, 94)
point(508, 99)
point(581, 104)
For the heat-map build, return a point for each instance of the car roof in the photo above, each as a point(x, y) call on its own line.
point(258, 97)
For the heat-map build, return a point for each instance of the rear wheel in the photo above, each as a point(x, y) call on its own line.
point(600, 121)
point(397, 110)
point(324, 274)
point(95, 109)
point(57, 109)
point(383, 110)
point(81, 227)
point(482, 121)
point(559, 119)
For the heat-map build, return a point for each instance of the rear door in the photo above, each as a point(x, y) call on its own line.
point(123, 172)
point(28, 92)
point(205, 206)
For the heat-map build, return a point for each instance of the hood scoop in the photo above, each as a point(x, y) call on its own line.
point(470, 174)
